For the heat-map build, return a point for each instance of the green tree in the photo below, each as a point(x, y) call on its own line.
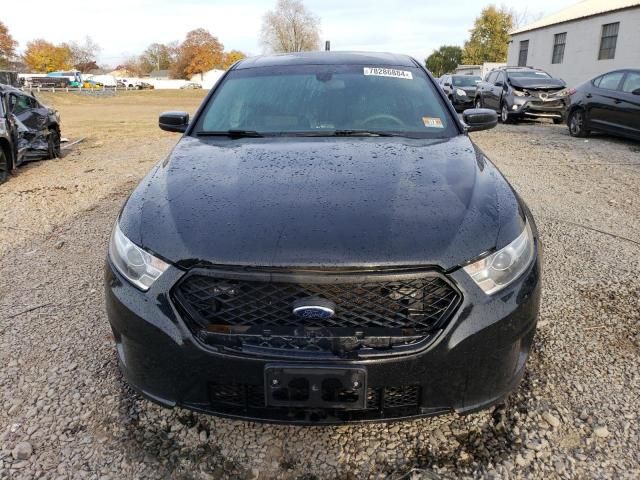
point(444, 60)
point(489, 39)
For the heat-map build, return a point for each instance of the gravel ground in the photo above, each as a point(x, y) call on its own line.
point(66, 413)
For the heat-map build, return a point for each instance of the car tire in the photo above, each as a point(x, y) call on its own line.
point(504, 114)
point(576, 124)
point(4, 166)
point(53, 144)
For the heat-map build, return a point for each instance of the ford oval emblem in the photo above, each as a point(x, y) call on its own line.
point(314, 308)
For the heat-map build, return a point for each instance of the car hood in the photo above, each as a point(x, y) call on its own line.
point(323, 202)
point(538, 83)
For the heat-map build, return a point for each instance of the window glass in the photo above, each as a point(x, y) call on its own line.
point(19, 104)
point(610, 81)
point(608, 41)
point(465, 80)
point(559, 41)
point(491, 78)
point(317, 99)
point(632, 82)
point(524, 51)
point(528, 74)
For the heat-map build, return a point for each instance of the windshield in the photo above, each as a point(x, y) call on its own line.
point(527, 74)
point(324, 99)
point(466, 81)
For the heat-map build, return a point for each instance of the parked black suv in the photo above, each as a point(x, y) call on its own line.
point(460, 90)
point(324, 244)
point(28, 130)
point(609, 103)
point(523, 92)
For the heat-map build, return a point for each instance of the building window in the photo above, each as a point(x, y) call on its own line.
point(559, 40)
point(524, 50)
point(608, 41)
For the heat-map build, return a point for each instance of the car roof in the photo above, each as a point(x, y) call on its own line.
point(9, 88)
point(327, 58)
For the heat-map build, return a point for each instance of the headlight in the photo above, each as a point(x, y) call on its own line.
point(501, 268)
point(136, 265)
point(461, 93)
point(519, 93)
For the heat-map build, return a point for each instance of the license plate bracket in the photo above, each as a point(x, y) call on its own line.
point(312, 386)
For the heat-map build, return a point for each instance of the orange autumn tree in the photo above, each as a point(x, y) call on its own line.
point(199, 53)
point(43, 56)
point(7, 45)
point(232, 57)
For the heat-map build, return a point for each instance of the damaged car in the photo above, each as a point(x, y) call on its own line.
point(28, 130)
point(324, 244)
point(523, 92)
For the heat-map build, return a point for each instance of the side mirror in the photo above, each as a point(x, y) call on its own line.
point(636, 91)
point(478, 119)
point(174, 121)
point(447, 84)
point(499, 84)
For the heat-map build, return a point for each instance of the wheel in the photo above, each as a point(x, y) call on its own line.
point(479, 102)
point(4, 166)
point(577, 124)
point(53, 144)
point(504, 114)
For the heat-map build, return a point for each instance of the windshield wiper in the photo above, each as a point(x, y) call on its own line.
point(345, 133)
point(233, 133)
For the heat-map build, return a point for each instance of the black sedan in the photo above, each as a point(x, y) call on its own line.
point(325, 244)
point(609, 103)
point(460, 89)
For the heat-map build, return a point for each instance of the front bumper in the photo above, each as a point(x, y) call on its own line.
point(536, 108)
point(474, 363)
point(462, 103)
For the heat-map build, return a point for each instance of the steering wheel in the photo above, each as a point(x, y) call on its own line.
point(383, 116)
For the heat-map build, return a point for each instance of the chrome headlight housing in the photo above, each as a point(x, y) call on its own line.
point(519, 93)
point(135, 264)
point(501, 268)
point(460, 92)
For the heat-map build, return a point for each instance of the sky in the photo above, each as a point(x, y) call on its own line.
point(124, 29)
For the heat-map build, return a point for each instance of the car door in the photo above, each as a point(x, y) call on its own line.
point(495, 91)
point(31, 121)
point(20, 133)
point(603, 102)
point(629, 104)
point(484, 89)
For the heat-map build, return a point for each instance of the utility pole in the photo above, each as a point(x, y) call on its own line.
point(327, 46)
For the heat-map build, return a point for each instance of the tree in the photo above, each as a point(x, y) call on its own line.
point(7, 45)
point(232, 57)
point(290, 28)
point(84, 55)
point(199, 53)
point(489, 39)
point(444, 60)
point(159, 56)
point(42, 56)
point(132, 66)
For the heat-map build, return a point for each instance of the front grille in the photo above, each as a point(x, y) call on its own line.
point(375, 311)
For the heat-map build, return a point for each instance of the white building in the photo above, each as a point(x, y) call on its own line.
point(581, 41)
point(208, 79)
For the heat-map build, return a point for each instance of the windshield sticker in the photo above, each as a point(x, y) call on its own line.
point(432, 122)
point(388, 72)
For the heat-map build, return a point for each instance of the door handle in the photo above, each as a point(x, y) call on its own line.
point(588, 95)
point(616, 101)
